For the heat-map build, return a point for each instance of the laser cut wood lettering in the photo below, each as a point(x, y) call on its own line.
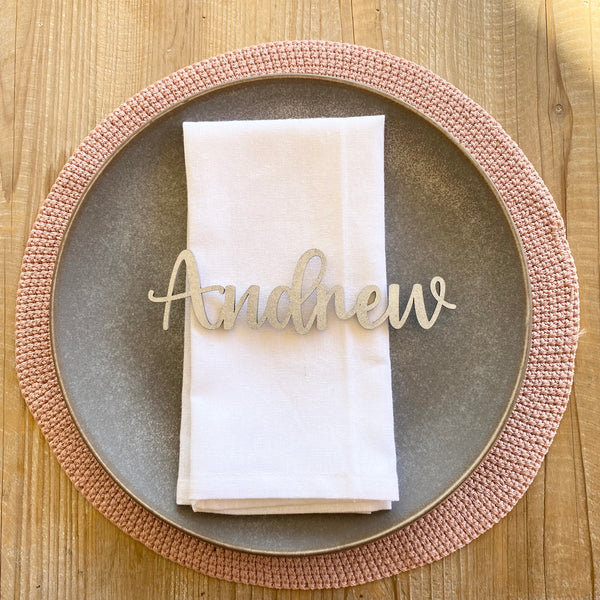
point(298, 295)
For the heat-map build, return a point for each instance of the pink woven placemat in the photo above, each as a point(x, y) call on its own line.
point(506, 472)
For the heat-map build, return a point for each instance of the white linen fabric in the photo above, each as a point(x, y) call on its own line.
point(274, 421)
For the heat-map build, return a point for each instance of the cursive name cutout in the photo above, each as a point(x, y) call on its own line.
point(298, 296)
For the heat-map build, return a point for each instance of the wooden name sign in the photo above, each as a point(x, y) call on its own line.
point(279, 316)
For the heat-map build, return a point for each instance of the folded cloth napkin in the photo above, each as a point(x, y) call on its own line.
point(273, 421)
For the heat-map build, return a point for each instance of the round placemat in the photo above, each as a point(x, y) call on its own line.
point(507, 470)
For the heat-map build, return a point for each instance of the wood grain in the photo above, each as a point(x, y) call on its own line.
point(534, 65)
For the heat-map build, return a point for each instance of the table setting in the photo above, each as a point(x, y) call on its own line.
point(301, 315)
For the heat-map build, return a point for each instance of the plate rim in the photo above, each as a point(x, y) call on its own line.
point(514, 234)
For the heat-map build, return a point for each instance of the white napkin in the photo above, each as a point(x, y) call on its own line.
point(274, 421)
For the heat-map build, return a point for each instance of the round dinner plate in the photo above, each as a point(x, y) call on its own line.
point(453, 386)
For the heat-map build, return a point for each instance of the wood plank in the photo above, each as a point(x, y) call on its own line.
point(568, 117)
point(578, 29)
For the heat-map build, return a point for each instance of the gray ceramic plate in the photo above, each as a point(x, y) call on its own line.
point(454, 385)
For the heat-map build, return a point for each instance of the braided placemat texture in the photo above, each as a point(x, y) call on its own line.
point(506, 472)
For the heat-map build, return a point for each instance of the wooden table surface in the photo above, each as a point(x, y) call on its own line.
point(534, 65)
